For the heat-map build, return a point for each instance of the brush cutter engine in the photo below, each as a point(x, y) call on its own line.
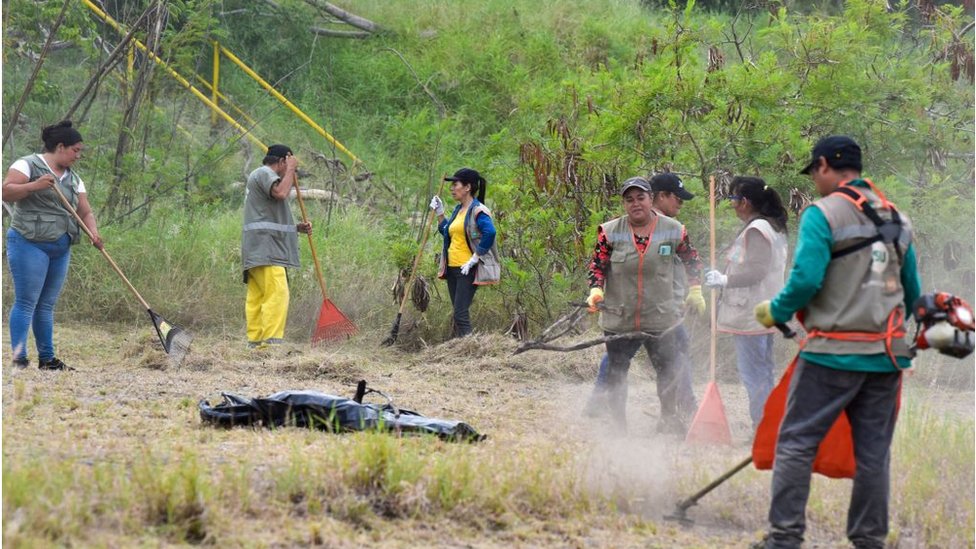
point(945, 323)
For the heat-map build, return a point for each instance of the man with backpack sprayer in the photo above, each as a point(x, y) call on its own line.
point(269, 244)
point(853, 280)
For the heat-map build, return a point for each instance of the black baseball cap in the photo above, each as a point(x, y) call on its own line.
point(839, 150)
point(672, 184)
point(280, 151)
point(638, 182)
point(466, 175)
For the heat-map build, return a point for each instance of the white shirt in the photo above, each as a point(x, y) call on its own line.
point(23, 167)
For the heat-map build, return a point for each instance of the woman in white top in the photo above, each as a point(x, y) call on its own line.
point(40, 237)
point(756, 264)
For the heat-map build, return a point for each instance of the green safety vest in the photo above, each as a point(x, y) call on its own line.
point(40, 216)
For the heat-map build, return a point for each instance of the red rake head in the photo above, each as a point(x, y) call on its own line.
point(709, 425)
point(332, 325)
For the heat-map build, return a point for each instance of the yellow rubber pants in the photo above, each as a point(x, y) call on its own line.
point(266, 308)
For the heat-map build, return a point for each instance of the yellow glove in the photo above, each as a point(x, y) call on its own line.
point(695, 299)
point(764, 315)
point(595, 297)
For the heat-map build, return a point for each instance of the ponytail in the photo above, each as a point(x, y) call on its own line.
point(482, 183)
point(764, 199)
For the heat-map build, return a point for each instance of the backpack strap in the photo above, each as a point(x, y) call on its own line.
point(888, 231)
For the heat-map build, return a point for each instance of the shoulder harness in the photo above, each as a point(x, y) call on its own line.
point(889, 232)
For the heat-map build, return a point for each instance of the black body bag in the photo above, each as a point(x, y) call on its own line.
point(315, 410)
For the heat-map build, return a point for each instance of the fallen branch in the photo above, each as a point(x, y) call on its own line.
point(543, 342)
point(358, 35)
point(345, 16)
point(531, 345)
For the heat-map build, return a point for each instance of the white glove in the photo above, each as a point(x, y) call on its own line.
point(437, 205)
point(715, 279)
point(466, 268)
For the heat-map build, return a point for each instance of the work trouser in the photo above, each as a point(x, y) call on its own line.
point(817, 397)
point(668, 354)
point(266, 307)
point(461, 289)
point(754, 360)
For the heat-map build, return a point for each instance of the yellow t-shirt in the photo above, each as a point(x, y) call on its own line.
point(458, 253)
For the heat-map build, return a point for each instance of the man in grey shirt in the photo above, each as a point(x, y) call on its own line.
point(269, 244)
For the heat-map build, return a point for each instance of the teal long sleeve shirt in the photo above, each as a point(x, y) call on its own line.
point(812, 257)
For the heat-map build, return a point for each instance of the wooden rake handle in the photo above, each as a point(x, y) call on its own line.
point(311, 241)
point(420, 252)
point(713, 324)
point(81, 223)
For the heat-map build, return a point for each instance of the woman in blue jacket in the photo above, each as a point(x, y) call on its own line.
point(469, 258)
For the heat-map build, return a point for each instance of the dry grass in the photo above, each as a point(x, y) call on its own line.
point(114, 454)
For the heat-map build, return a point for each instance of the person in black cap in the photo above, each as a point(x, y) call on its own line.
point(667, 197)
point(853, 283)
point(635, 284)
point(40, 237)
point(469, 258)
point(269, 244)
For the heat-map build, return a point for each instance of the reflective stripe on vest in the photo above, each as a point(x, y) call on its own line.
point(270, 226)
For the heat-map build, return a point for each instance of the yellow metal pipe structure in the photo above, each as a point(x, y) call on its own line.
point(230, 120)
point(225, 99)
point(287, 103)
point(215, 95)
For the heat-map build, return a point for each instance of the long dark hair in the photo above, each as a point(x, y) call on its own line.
point(59, 134)
point(764, 199)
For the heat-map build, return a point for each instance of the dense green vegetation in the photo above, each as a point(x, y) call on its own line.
point(556, 102)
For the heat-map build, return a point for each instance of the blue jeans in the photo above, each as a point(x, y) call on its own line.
point(754, 358)
point(817, 396)
point(39, 270)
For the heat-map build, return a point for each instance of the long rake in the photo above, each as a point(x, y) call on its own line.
point(176, 341)
point(395, 329)
point(332, 324)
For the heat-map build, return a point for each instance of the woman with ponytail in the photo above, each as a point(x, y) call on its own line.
point(40, 235)
point(469, 258)
point(754, 271)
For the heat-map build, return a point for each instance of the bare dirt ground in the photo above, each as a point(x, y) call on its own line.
point(123, 401)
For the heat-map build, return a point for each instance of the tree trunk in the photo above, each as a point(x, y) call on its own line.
point(345, 16)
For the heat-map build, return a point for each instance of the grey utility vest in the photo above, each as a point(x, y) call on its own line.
point(642, 292)
point(862, 290)
point(735, 306)
point(40, 216)
point(269, 236)
point(488, 270)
